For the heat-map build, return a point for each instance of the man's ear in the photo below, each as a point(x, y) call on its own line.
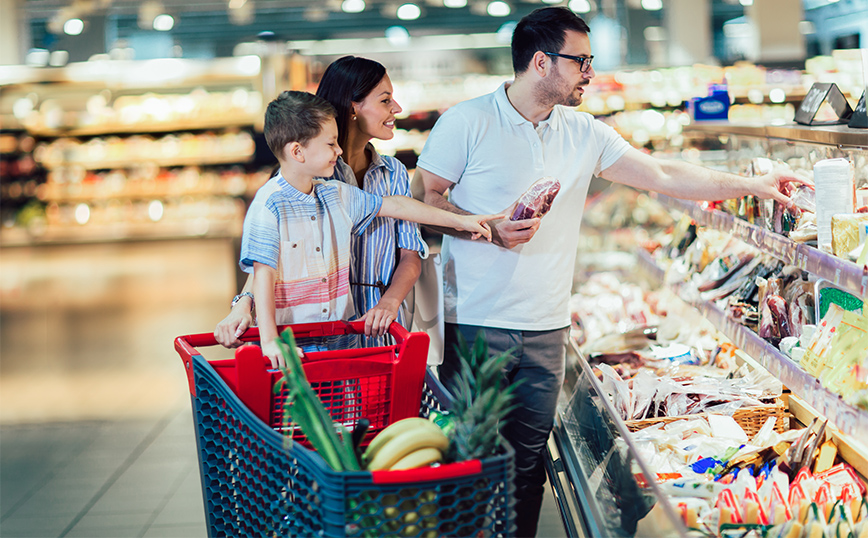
point(294, 151)
point(540, 63)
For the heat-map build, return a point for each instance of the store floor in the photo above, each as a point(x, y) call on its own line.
point(96, 432)
point(136, 478)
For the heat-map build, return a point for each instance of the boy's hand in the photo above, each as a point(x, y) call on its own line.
point(230, 329)
point(477, 225)
point(380, 317)
point(270, 350)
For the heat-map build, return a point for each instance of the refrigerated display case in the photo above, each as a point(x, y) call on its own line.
point(595, 494)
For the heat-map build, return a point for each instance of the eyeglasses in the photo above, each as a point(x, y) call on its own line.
point(583, 61)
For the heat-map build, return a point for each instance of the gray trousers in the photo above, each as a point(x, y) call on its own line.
point(538, 359)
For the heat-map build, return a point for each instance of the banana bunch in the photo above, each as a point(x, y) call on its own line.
point(406, 444)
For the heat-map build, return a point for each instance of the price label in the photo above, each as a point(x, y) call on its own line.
point(820, 92)
point(801, 260)
point(859, 119)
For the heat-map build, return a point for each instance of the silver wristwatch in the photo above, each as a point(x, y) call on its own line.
point(238, 298)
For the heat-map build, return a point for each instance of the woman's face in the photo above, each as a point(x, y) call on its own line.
point(375, 114)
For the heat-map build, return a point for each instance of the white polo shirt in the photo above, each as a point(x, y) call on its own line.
point(493, 155)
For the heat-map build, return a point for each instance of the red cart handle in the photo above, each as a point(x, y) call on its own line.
point(428, 474)
point(186, 345)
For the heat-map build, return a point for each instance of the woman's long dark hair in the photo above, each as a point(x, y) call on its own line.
point(347, 80)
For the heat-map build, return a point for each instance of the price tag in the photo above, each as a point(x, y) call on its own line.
point(801, 259)
point(859, 119)
point(819, 93)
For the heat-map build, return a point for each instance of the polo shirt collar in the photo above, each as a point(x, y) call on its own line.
point(513, 115)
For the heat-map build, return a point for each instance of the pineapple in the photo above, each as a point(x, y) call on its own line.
point(481, 401)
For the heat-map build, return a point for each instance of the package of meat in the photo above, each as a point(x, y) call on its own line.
point(537, 199)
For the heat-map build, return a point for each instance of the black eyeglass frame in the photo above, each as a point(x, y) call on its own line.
point(583, 61)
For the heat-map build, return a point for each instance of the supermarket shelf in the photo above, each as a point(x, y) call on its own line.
point(847, 418)
point(139, 128)
point(97, 192)
point(179, 160)
point(843, 273)
point(121, 232)
point(835, 135)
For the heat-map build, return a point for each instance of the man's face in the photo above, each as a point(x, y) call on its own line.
point(566, 83)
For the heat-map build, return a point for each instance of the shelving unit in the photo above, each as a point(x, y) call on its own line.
point(849, 419)
point(843, 273)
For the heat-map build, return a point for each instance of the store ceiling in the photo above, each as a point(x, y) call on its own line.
point(201, 23)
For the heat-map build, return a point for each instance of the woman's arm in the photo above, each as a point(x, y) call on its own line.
point(239, 319)
point(380, 316)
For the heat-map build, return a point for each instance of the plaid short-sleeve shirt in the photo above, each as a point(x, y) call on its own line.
point(307, 239)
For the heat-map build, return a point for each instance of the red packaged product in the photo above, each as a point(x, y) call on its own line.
point(537, 199)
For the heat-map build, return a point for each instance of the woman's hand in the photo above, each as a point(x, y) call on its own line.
point(379, 318)
point(230, 329)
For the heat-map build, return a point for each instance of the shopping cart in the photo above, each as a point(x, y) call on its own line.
point(254, 483)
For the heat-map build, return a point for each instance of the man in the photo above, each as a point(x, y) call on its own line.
point(486, 152)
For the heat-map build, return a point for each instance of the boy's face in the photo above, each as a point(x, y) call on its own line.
point(321, 152)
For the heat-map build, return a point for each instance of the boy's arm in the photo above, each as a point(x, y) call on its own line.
point(264, 277)
point(239, 319)
point(406, 208)
point(506, 233)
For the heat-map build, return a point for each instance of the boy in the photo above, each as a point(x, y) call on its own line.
point(296, 237)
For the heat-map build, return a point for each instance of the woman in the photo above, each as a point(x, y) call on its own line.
point(386, 257)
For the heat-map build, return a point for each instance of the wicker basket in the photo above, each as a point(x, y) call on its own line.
point(751, 419)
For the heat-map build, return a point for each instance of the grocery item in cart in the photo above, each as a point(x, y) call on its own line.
point(537, 199)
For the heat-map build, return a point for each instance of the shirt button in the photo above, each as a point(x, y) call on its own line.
point(317, 249)
point(325, 310)
point(324, 279)
point(294, 245)
point(313, 218)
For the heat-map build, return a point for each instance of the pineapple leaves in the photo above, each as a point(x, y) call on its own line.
point(483, 399)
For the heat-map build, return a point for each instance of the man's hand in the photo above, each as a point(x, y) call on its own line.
point(778, 182)
point(511, 233)
point(233, 325)
point(380, 317)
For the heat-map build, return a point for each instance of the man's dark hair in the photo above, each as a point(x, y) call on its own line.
point(543, 30)
point(346, 80)
point(295, 117)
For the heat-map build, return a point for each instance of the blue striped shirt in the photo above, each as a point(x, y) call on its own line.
point(375, 252)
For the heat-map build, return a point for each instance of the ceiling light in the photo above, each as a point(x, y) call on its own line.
point(551, 1)
point(652, 5)
point(397, 36)
point(236, 4)
point(746, 2)
point(73, 27)
point(409, 12)
point(454, 3)
point(353, 6)
point(164, 22)
point(504, 33)
point(580, 6)
point(498, 9)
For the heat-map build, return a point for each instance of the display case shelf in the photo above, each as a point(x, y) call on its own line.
point(834, 135)
point(848, 418)
point(842, 273)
